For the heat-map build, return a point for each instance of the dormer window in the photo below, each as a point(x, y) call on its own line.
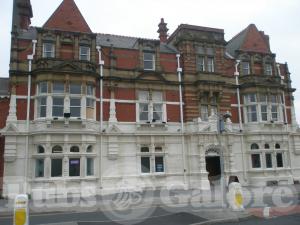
point(149, 61)
point(48, 50)
point(268, 69)
point(84, 53)
point(245, 68)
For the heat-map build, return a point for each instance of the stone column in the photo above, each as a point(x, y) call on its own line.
point(112, 108)
point(204, 183)
point(12, 113)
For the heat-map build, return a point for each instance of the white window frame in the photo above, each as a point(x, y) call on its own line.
point(201, 63)
point(268, 69)
point(151, 101)
point(152, 154)
point(46, 52)
point(149, 60)
point(84, 56)
point(245, 67)
point(210, 64)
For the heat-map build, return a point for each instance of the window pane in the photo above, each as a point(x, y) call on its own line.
point(90, 102)
point(200, 64)
point(245, 68)
point(75, 107)
point(56, 167)
point(274, 112)
point(39, 167)
point(40, 149)
point(252, 115)
point(90, 90)
point(84, 53)
point(204, 112)
point(148, 61)
point(255, 158)
point(75, 88)
point(157, 112)
point(210, 65)
point(89, 166)
point(264, 113)
point(157, 96)
point(148, 65)
point(269, 160)
point(58, 107)
point(144, 114)
point(43, 87)
point(57, 149)
point(74, 167)
point(144, 149)
point(268, 69)
point(48, 50)
point(145, 164)
point(74, 149)
point(144, 95)
point(42, 106)
point(279, 160)
point(58, 87)
point(159, 164)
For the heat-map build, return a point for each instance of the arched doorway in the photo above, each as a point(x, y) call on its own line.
point(213, 163)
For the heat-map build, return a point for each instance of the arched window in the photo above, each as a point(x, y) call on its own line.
point(254, 146)
point(40, 149)
point(74, 149)
point(277, 146)
point(267, 146)
point(57, 149)
point(89, 149)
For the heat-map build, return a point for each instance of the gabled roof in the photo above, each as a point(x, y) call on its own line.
point(249, 40)
point(67, 17)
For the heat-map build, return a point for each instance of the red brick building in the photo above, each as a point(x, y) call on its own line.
point(94, 108)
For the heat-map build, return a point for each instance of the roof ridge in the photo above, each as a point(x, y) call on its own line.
point(126, 36)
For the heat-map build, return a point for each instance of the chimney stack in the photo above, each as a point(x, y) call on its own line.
point(163, 31)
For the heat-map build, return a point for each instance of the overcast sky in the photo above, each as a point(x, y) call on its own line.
point(279, 19)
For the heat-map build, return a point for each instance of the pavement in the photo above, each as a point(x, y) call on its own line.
point(182, 207)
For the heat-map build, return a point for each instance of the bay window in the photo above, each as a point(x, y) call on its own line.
point(266, 109)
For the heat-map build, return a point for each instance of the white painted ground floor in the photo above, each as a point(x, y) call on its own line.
point(78, 159)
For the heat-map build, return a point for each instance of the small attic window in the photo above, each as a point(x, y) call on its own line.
point(149, 61)
point(84, 53)
point(48, 50)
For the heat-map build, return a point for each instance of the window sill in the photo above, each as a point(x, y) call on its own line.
point(53, 179)
point(157, 124)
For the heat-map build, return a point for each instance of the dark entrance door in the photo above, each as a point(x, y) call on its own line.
point(213, 167)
